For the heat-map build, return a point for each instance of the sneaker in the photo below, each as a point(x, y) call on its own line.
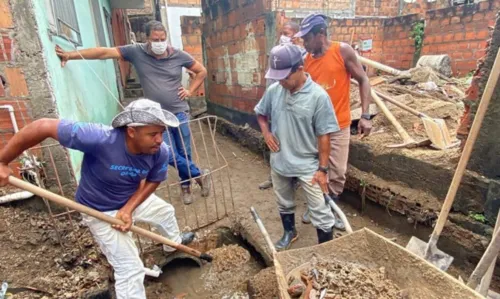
point(204, 182)
point(187, 198)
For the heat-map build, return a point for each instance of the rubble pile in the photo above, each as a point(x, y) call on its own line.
point(335, 279)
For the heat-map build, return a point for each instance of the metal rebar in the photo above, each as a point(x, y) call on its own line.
point(212, 133)
point(210, 167)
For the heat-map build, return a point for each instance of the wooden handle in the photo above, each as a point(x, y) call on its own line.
point(486, 281)
point(101, 216)
point(280, 275)
point(399, 104)
point(341, 214)
point(488, 257)
point(379, 66)
point(401, 131)
point(469, 144)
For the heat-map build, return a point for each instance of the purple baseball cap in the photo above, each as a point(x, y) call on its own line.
point(309, 22)
point(281, 60)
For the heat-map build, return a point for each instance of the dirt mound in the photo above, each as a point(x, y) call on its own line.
point(350, 280)
point(230, 271)
point(263, 285)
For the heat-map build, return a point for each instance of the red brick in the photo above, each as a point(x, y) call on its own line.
point(2, 89)
point(483, 34)
point(5, 15)
point(448, 37)
point(5, 48)
point(478, 16)
point(470, 35)
point(16, 82)
point(455, 20)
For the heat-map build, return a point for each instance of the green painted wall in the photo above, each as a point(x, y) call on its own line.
point(78, 92)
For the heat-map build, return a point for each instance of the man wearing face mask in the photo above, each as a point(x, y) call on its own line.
point(299, 140)
point(159, 67)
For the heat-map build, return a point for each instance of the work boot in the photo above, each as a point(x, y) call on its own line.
point(187, 198)
point(204, 182)
point(289, 234)
point(187, 238)
point(305, 217)
point(324, 236)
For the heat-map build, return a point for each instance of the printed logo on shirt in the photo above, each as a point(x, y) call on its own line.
point(327, 86)
point(129, 171)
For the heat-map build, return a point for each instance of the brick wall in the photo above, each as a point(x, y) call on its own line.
point(461, 32)
point(147, 10)
point(422, 6)
point(392, 42)
point(236, 45)
point(315, 5)
point(191, 41)
point(389, 8)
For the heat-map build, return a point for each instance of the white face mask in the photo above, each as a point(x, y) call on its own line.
point(285, 39)
point(159, 48)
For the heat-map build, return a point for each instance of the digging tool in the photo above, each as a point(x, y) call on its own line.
point(489, 256)
point(436, 128)
point(486, 280)
point(282, 282)
point(407, 140)
point(339, 212)
point(101, 216)
point(380, 66)
point(429, 250)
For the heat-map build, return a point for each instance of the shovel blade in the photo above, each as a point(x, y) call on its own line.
point(437, 131)
point(436, 257)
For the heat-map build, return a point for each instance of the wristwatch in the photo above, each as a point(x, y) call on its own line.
point(323, 169)
point(366, 116)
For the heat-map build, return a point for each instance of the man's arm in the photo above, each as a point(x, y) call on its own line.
point(200, 73)
point(355, 68)
point(125, 213)
point(271, 142)
point(29, 136)
point(320, 177)
point(92, 53)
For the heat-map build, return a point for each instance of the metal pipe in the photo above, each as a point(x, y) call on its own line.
point(12, 116)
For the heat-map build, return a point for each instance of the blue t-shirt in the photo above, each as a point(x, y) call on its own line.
point(110, 175)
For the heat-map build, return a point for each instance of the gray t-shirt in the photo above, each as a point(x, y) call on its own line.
point(160, 78)
point(298, 120)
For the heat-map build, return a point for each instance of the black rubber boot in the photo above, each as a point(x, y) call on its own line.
point(187, 238)
point(289, 234)
point(324, 236)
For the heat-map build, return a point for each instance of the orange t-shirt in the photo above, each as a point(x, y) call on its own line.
point(329, 71)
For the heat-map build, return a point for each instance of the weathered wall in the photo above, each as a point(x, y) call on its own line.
point(189, 3)
point(486, 155)
point(78, 92)
point(236, 46)
point(460, 31)
point(296, 8)
point(421, 6)
point(191, 42)
point(392, 41)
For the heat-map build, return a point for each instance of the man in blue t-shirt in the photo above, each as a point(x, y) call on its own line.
point(159, 67)
point(122, 167)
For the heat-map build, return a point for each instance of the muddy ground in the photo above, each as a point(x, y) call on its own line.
point(36, 266)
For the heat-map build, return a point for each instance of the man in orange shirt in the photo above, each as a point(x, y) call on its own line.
point(331, 64)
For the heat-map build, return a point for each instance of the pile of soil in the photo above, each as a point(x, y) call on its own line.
point(230, 271)
point(35, 265)
point(263, 285)
point(350, 280)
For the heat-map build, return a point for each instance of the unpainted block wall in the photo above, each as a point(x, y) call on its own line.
point(191, 42)
point(236, 43)
point(387, 8)
point(461, 32)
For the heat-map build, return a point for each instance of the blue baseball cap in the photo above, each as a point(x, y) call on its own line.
point(309, 22)
point(281, 61)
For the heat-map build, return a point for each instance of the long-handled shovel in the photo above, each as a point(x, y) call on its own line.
point(429, 250)
point(282, 282)
point(339, 212)
point(101, 216)
point(436, 128)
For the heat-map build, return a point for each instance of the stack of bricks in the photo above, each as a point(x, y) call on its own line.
point(13, 87)
point(191, 42)
point(388, 8)
point(460, 32)
point(236, 51)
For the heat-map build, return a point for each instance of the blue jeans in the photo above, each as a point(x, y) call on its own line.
point(174, 137)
